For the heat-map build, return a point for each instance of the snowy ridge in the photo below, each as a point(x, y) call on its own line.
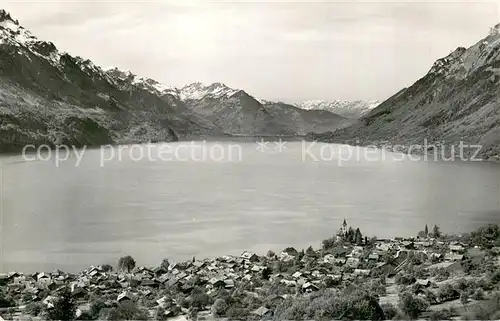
point(148, 84)
point(194, 91)
point(350, 109)
point(198, 90)
point(16, 35)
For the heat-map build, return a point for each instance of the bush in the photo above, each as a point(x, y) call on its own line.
point(412, 305)
point(390, 311)
point(95, 308)
point(199, 299)
point(440, 315)
point(487, 310)
point(219, 308)
point(165, 264)
point(329, 243)
point(6, 301)
point(486, 237)
point(127, 310)
point(64, 307)
point(330, 304)
point(478, 295)
point(405, 279)
point(34, 308)
point(107, 268)
point(126, 263)
point(447, 293)
point(266, 273)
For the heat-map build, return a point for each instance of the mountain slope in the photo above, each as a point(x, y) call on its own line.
point(238, 113)
point(456, 101)
point(305, 121)
point(50, 97)
point(349, 109)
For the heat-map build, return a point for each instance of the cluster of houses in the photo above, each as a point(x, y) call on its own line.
point(303, 272)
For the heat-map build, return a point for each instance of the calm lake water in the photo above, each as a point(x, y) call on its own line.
point(254, 199)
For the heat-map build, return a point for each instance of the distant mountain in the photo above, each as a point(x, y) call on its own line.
point(236, 112)
point(305, 121)
point(349, 109)
point(51, 97)
point(456, 101)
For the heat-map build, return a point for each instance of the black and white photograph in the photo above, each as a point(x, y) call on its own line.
point(274, 160)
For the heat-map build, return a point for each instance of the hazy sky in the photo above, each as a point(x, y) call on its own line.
point(282, 50)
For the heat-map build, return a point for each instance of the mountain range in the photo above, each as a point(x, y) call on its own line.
point(51, 97)
point(457, 101)
point(349, 109)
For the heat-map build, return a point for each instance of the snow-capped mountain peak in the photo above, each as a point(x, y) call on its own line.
point(12, 33)
point(148, 84)
point(199, 90)
point(346, 108)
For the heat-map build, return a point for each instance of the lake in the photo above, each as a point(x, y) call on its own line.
point(223, 198)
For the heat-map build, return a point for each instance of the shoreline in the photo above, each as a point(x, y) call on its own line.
point(313, 137)
point(348, 264)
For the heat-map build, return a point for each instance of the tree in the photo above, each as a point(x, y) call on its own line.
point(464, 298)
point(219, 308)
point(165, 264)
point(266, 273)
point(412, 305)
point(426, 231)
point(199, 298)
point(126, 263)
point(107, 268)
point(126, 310)
point(358, 238)
point(64, 307)
point(310, 251)
point(436, 233)
point(350, 235)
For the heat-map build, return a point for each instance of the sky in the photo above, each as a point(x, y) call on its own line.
point(275, 50)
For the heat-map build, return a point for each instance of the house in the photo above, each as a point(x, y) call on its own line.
point(124, 296)
point(453, 257)
point(373, 257)
point(297, 275)
point(329, 258)
point(424, 283)
point(457, 248)
point(149, 282)
point(309, 287)
point(352, 262)
point(217, 283)
point(250, 256)
point(262, 312)
point(356, 252)
point(228, 284)
point(361, 272)
point(290, 251)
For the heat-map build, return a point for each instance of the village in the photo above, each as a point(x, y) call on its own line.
point(432, 276)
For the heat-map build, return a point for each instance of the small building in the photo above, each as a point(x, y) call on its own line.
point(352, 262)
point(124, 296)
point(262, 312)
point(250, 256)
point(362, 272)
point(309, 287)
